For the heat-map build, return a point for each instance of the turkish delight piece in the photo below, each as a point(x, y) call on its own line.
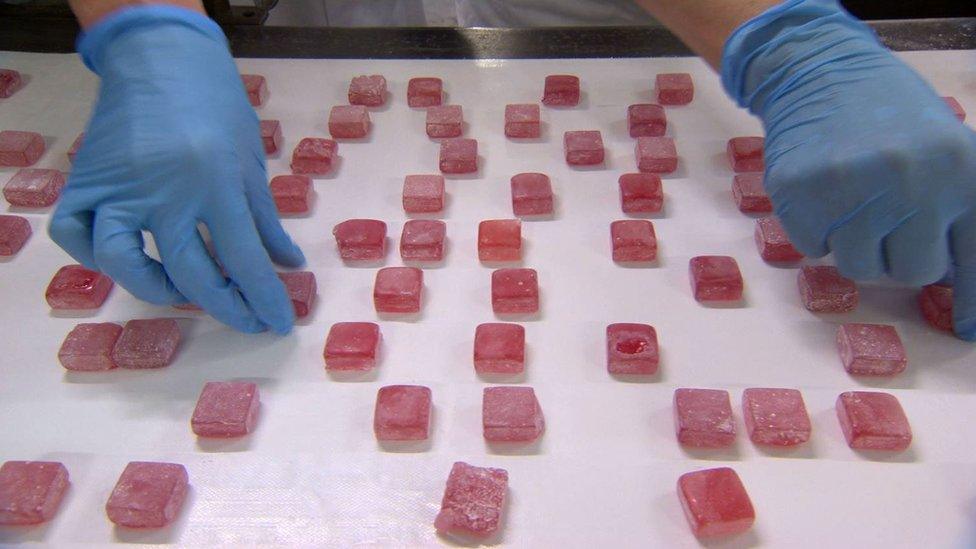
point(352, 346)
point(715, 502)
point(871, 349)
point(873, 421)
point(473, 501)
point(561, 90)
point(271, 136)
point(511, 414)
point(226, 409)
point(10, 82)
point(703, 418)
point(749, 194)
point(631, 349)
point(20, 149)
point(523, 120)
point(402, 413)
point(398, 289)
point(775, 417)
point(641, 193)
point(301, 288)
point(583, 148)
point(514, 291)
point(935, 301)
point(824, 290)
point(361, 239)
point(88, 347)
point(367, 90)
point(646, 120)
point(257, 89)
point(444, 121)
point(423, 193)
point(147, 343)
point(34, 188)
point(953, 104)
point(674, 88)
point(773, 243)
point(715, 278)
point(75, 147)
point(291, 193)
point(633, 240)
point(148, 495)
point(313, 156)
point(746, 154)
point(531, 194)
point(31, 491)
point(425, 92)
point(459, 155)
point(423, 240)
point(14, 233)
point(656, 155)
point(499, 348)
point(348, 121)
point(500, 240)
point(75, 287)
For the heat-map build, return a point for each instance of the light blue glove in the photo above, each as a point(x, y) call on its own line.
point(863, 159)
point(173, 143)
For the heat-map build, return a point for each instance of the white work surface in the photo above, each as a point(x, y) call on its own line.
point(604, 472)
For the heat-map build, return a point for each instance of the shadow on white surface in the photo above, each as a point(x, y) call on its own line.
point(405, 446)
point(656, 377)
point(499, 378)
point(741, 541)
point(729, 453)
point(639, 264)
point(534, 448)
point(218, 445)
point(740, 304)
point(37, 533)
point(159, 536)
point(76, 313)
point(800, 451)
point(907, 456)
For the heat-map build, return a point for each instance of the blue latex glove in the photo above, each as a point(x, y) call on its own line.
point(173, 143)
point(863, 159)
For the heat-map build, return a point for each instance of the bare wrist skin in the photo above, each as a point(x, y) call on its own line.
point(90, 12)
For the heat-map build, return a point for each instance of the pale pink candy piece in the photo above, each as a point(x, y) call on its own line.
point(746, 154)
point(34, 188)
point(500, 240)
point(632, 349)
point(424, 92)
point(367, 90)
point(775, 417)
point(773, 242)
point(31, 491)
point(871, 350)
point(271, 136)
point(313, 156)
point(511, 414)
point(398, 290)
point(147, 343)
point(75, 287)
point(873, 421)
point(20, 149)
point(88, 347)
point(956, 108)
point(301, 288)
point(715, 278)
point(641, 193)
point(749, 194)
point(499, 348)
point(473, 501)
point(348, 121)
point(352, 346)
point(633, 240)
point(715, 503)
point(148, 495)
point(75, 147)
point(423, 240)
point(656, 155)
point(703, 418)
point(444, 121)
point(515, 291)
point(531, 194)
point(226, 409)
point(583, 148)
point(423, 193)
point(257, 89)
point(646, 120)
point(10, 82)
point(523, 120)
point(459, 155)
point(361, 239)
point(291, 193)
point(824, 290)
point(935, 302)
point(402, 413)
point(14, 233)
point(561, 90)
point(674, 88)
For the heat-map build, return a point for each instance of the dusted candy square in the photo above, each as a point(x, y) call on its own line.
point(646, 120)
point(935, 301)
point(500, 240)
point(523, 120)
point(313, 156)
point(824, 290)
point(459, 155)
point(514, 291)
point(499, 348)
point(88, 347)
point(511, 414)
point(561, 90)
point(14, 233)
point(632, 349)
point(348, 121)
point(361, 239)
point(291, 193)
point(444, 121)
point(531, 194)
point(367, 90)
point(402, 413)
point(423, 193)
point(749, 194)
point(10, 82)
point(257, 89)
point(75, 287)
point(674, 88)
point(715, 278)
point(271, 136)
point(773, 243)
point(871, 350)
point(746, 154)
point(473, 501)
point(873, 421)
point(75, 147)
point(641, 193)
point(20, 149)
point(775, 417)
point(423, 240)
point(583, 148)
point(148, 495)
point(301, 288)
point(956, 108)
point(715, 502)
point(633, 240)
point(424, 92)
point(34, 188)
point(398, 289)
point(656, 154)
point(226, 409)
point(703, 418)
point(352, 346)
point(31, 491)
point(147, 343)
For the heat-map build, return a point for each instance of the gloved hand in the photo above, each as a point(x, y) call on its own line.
point(863, 159)
point(173, 143)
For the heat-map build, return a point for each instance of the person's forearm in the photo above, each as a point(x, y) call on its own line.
point(90, 12)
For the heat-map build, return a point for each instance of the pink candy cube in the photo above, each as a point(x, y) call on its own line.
point(424, 92)
point(423, 193)
point(313, 156)
point(75, 287)
point(956, 108)
point(31, 491)
point(149, 343)
point(291, 193)
point(703, 418)
point(148, 495)
point(523, 120)
point(10, 82)
point(871, 350)
point(398, 289)
point(646, 120)
point(352, 346)
point(402, 413)
point(824, 290)
point(674, 88)
point(75, 147)
point(257, 89)
point(715, 503)
point(14, 233)
point(423, 240)
point(935, 302)
point(20, 149)
point(583, 148)
point(271, 136)
point(499, 348)
point(361, 239)
point(514, 291)
point(500, 240)
point(511, 414)
point(444, 121)
point(873, 421)
point(633, 240)
point(348, 121)
point(34, 188)
point(226, 409)
point(473, 501)
point(749, 194)
point(631, 349)
point(301, 289)
point(746, 154)
point(641, 193)
point(562, 90)
point(367, 90)
point(531, 194)
point(773, 243)
point(715, 278)
point(775, 417)
point(656, 155)
point(88, 347)
point(459, 155)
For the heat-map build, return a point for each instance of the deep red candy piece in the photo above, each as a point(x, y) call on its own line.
point(674, 88)
point(499, 348)
point(352, 346)
point(561, 90)
point(715, 503)
point(148, 495)
point(715, 278)
point(500, 240)
point(301, 288)
point(632, 349)
point(656, 155)
point(746, 154)
point(147, 343)
point(75, 147)
point(515, 291)
point(511, 414)
point(10, 82)
point(226, 409)
point(402, 413)
point(703, 418)
point(20, 149)
point(423, 193)
point(271, 136)
point(444, 121)
point(14, 233)
point(367, 90)
point(873, 421)
point(361, 239)
point(291, 193)
point(824, 290)
point(348, 121)
point(398, 290)
point(423, 240)
point(871, 349)
point(773, 243)
point(583, 148)
point(523, 120)
point(88, 347)
point(641, 193)
point(313, 156)
point(34, 188)
point(633, 240)
point(775, 417)
point(424, 92)
point(956, 108)
point(935, 302)
point(473, 501)
point(257, 89)
point(31, 491)
point(75, 287)
point(459, 155)
point(646, 120)
point(531, 194)
point(749, 194)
